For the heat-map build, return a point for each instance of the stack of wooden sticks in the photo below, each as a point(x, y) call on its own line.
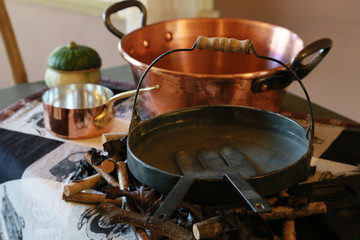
point(113, 172)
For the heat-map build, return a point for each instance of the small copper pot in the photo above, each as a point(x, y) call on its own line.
point(78, 111)
point(207, 77)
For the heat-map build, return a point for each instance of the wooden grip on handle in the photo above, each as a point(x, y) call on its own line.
point(224, 44)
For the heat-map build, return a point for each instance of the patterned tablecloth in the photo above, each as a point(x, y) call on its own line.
point(35, 164)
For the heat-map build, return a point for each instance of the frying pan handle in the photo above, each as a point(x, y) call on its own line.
point(173, 199)
point(282, 79)
point(254, 200)
point(118, 7)
point(190, 169)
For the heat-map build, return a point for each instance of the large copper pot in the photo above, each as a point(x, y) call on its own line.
point(207, 77)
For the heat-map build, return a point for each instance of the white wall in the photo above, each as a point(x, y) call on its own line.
point(335, 82)
point(39, 29)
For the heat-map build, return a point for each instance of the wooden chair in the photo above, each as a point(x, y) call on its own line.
point(11, 47)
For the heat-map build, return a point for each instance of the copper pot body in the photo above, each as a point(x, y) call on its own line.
point(70, 110)
point(82, 110)
point(206, 77)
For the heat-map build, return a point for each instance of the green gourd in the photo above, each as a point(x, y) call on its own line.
point(72, 64)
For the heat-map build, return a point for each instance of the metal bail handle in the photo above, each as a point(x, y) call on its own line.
point(223, 44)
point(135, 119)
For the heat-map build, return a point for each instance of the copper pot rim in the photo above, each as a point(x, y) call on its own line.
point(78, 108)
point(248, 75)
point(85, 86)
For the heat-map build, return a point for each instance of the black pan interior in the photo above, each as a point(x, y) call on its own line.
point(269, 141)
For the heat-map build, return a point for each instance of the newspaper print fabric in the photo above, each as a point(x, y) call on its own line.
point(32, 205)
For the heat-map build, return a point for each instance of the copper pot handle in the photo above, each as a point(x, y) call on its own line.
point(321, 47)
point(121, 6)
point(107, 115)
point(283, 79)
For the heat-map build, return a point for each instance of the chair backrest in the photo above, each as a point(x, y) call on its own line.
point(11, 46)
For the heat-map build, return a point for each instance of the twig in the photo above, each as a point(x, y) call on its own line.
point(122, 175)
point(208, 229)
point(87, 198)
point(75, 187)
point(283, 194)
point(92, 198)
point(108, 165)
point(115, 214)
point(111, 181)
point(107, 137)
point(288, 230)
point(284, 212)
point(117, 201)
point(272, 200)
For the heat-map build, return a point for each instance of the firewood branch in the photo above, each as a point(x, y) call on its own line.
point(288, 230)
point(285, 212)
point(87, 198)
point(122, 175)
point(208, 229)
point(108, 165)
point(110, 179)
point(115, 214)
point(73, 188)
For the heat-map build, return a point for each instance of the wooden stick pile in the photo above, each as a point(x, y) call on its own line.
point(122, 210)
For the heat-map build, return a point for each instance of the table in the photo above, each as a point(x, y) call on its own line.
point(291, 103)
point(12, 94)
point(45, 165)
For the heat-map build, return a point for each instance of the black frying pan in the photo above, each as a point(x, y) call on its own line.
point(277, 148)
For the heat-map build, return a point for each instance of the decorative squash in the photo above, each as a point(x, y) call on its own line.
point(72, 64)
